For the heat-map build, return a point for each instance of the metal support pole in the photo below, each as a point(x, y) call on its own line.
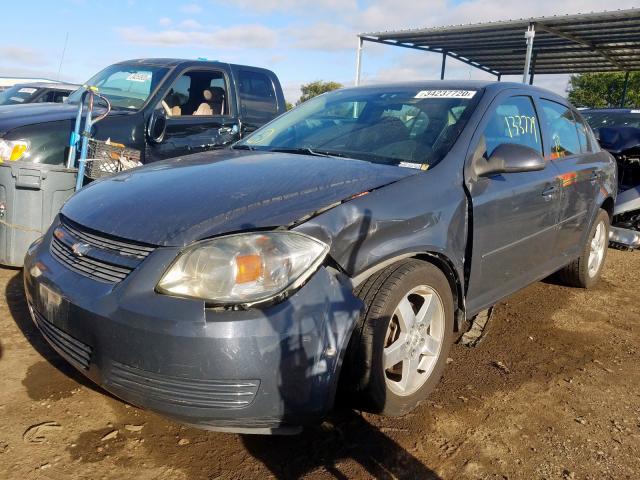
point(533, 68)
point(444, 64)
point(529, 35)
point(358, 60)
point(624, 89)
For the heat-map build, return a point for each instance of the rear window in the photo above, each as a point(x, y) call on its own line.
point(258, 102)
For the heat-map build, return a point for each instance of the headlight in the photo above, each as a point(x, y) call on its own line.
point(11, 150)
point(244, 269)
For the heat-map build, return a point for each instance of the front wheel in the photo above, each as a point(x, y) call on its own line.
point(584, 271)
point(399, 349)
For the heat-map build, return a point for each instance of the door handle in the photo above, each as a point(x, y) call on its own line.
point(550, 191)
point(227, 130)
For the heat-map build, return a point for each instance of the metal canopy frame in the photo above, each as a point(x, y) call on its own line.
point(582, 43)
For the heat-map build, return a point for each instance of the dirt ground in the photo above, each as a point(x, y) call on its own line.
point(552, 392)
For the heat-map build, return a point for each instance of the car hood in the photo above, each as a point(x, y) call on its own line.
point(14, 116)
point(178, 201)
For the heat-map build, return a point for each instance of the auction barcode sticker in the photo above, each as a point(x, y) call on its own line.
point(445, 94)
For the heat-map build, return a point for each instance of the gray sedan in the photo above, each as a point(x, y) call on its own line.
point(337, 251)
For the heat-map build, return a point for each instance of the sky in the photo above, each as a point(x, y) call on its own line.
point(301, 40)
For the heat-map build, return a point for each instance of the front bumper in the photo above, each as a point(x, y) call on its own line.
point(258, 370)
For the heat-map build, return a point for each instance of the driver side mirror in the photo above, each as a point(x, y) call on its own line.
point(510, 158)
point(157, 127)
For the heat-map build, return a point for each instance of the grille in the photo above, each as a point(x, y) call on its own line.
point(182, 391)
point(118, 246)
point(74, 351)
point(105, 259)
point(86, 266)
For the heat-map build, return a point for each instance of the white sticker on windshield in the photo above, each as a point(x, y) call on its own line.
point(635, 111)
point(417, 166)
point(445, 94)
point(27, 90)
point(139, 77)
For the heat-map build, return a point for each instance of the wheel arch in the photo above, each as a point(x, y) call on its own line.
point(439, 260)
point(608, 205)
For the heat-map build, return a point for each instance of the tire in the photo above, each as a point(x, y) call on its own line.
point(579, 273)
point(383, 334)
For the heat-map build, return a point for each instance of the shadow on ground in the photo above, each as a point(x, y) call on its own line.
point(346, 436)
point(41, 380)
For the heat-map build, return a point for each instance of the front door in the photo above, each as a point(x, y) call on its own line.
point(199, 115)
point(569, 150)
point(514, 215)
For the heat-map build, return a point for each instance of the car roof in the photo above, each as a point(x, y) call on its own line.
point(183, 62)
point(49, 85)
point(489, 85)
point(611, 110)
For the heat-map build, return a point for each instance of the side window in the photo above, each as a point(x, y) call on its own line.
point(562, 128)
point(513, 121)
point(197, 93)
point(258, 101)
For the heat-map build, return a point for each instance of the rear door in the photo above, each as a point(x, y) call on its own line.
point(199, 114)
point(259, 97)
point(514, 215)
point(569, 149)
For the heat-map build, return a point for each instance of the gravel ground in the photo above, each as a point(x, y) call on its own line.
point(553, 392)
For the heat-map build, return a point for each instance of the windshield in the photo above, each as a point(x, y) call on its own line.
point(612, 119)
point(17, 94)
point(125, 85)
point(403, 126)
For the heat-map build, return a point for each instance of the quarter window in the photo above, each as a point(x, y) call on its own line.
point(562, 128)
point(583, 137)
point(513, 121)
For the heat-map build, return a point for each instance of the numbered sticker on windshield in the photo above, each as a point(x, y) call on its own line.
point(27, 90)
point(139, 77)
point(445, 94)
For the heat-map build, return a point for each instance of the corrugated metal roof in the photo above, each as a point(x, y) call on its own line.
point(590, 42)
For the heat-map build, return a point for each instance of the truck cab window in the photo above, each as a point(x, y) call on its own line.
point(197, 93)
point(257, 96)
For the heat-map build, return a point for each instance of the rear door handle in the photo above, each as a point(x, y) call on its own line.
point(550, 191)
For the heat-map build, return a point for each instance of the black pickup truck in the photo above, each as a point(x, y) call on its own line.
point(161, 107)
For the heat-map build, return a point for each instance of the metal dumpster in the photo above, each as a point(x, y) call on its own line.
point(31, 194)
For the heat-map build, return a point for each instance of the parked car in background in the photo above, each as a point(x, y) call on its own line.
point(339, 248)
point(8, 82)
point(37, 93)
point(611, 117)
point(160, 107)
point(618, 131)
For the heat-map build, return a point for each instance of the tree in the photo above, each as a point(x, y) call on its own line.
point(289, 105)
point(313, 89)
point(600, 90)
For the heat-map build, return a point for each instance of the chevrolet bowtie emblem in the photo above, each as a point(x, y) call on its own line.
point(80, 249)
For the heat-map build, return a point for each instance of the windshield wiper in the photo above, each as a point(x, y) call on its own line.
point(242, 147)
point(307, 151)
